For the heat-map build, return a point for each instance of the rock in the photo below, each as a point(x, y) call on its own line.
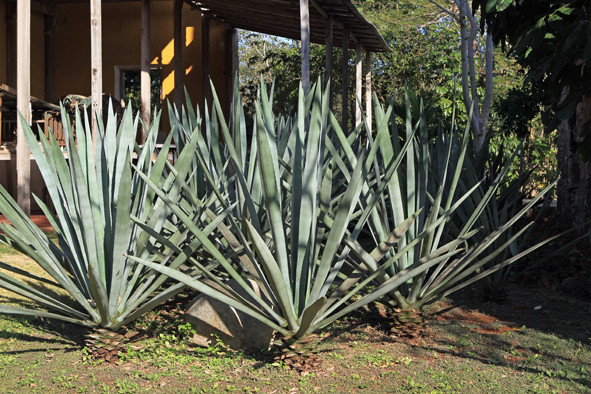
point(236, 329)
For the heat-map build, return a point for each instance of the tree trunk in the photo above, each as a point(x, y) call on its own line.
point(574, 186)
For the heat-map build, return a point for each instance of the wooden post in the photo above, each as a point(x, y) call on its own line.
point(179, 41)
point(23, 102)
point(345, 72)
point(145, 80)
point(368, 91)
point(205, 58)
point(11, 44)
point(235, 56)
point(231, 62)
point(50, 21)
point(0, 119)
point(329, 56)
point(96, 65)
point(358, 83)
point(305, 39)
point(235, 62)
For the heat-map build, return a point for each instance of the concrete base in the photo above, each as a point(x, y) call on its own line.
point(236, 329)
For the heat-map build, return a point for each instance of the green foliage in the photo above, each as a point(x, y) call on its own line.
point(425, 56)
point(519, 121)
point(517, 110)
point(537, 158)
point(279, 61)
point(551, 40)
point(94, 197)
point(425, 59)
point(132, 94)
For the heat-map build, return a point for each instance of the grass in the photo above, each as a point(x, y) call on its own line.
point(535, 342)
point(6, 250)
point(18, 260)
point(459, 354)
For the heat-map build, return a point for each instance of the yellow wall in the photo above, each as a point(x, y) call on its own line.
point(8, 181)
point(121, 47)
point(3, 77)
point(37, 52)
point(38, 56)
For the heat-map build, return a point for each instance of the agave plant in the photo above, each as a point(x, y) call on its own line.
point(217, 157)
point(454, 206)
point(295, 247)
point(95, 193)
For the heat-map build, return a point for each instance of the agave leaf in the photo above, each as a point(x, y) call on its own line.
point(385, 288)
point(310, 313)
point(202, 237)
point(12, 310)
point(212, 292)
point(28, 239)
point(337, 232)
point(268, 167)
point(233, 156)
point(27, 274)
point(121, 236)
point(273, 270)
point(9, 283)
point(463, 272)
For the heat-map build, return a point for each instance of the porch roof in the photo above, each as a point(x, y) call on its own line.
point(8, 101)
point(282, 18)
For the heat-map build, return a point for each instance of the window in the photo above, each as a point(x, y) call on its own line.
point(128, 86)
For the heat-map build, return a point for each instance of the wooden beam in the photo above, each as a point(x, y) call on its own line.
point(23, 103)
point(305, 40)
point(274, 22)
point(319, 8)
point(145, 80)
point(358, 83)
point(179, 41)
point(49, 28)
point(104, 1)
point(96, 65)
point(345, 81)
point(329, 56)
point(205, 59)
point(281, 17)
point(368, 91)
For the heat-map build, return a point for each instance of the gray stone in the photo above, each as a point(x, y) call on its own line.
point(236, 329)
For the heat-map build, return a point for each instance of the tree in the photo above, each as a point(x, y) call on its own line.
point(551, 40)
point(438, 54)
point(424, 56)
point(278, 60)
point(443, 36)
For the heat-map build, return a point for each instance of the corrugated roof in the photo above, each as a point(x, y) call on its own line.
point(282, 18)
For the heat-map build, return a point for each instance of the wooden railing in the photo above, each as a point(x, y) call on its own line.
point(53, 124)
point(44, 114)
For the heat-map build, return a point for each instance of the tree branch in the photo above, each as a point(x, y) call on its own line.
point(445, 10)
